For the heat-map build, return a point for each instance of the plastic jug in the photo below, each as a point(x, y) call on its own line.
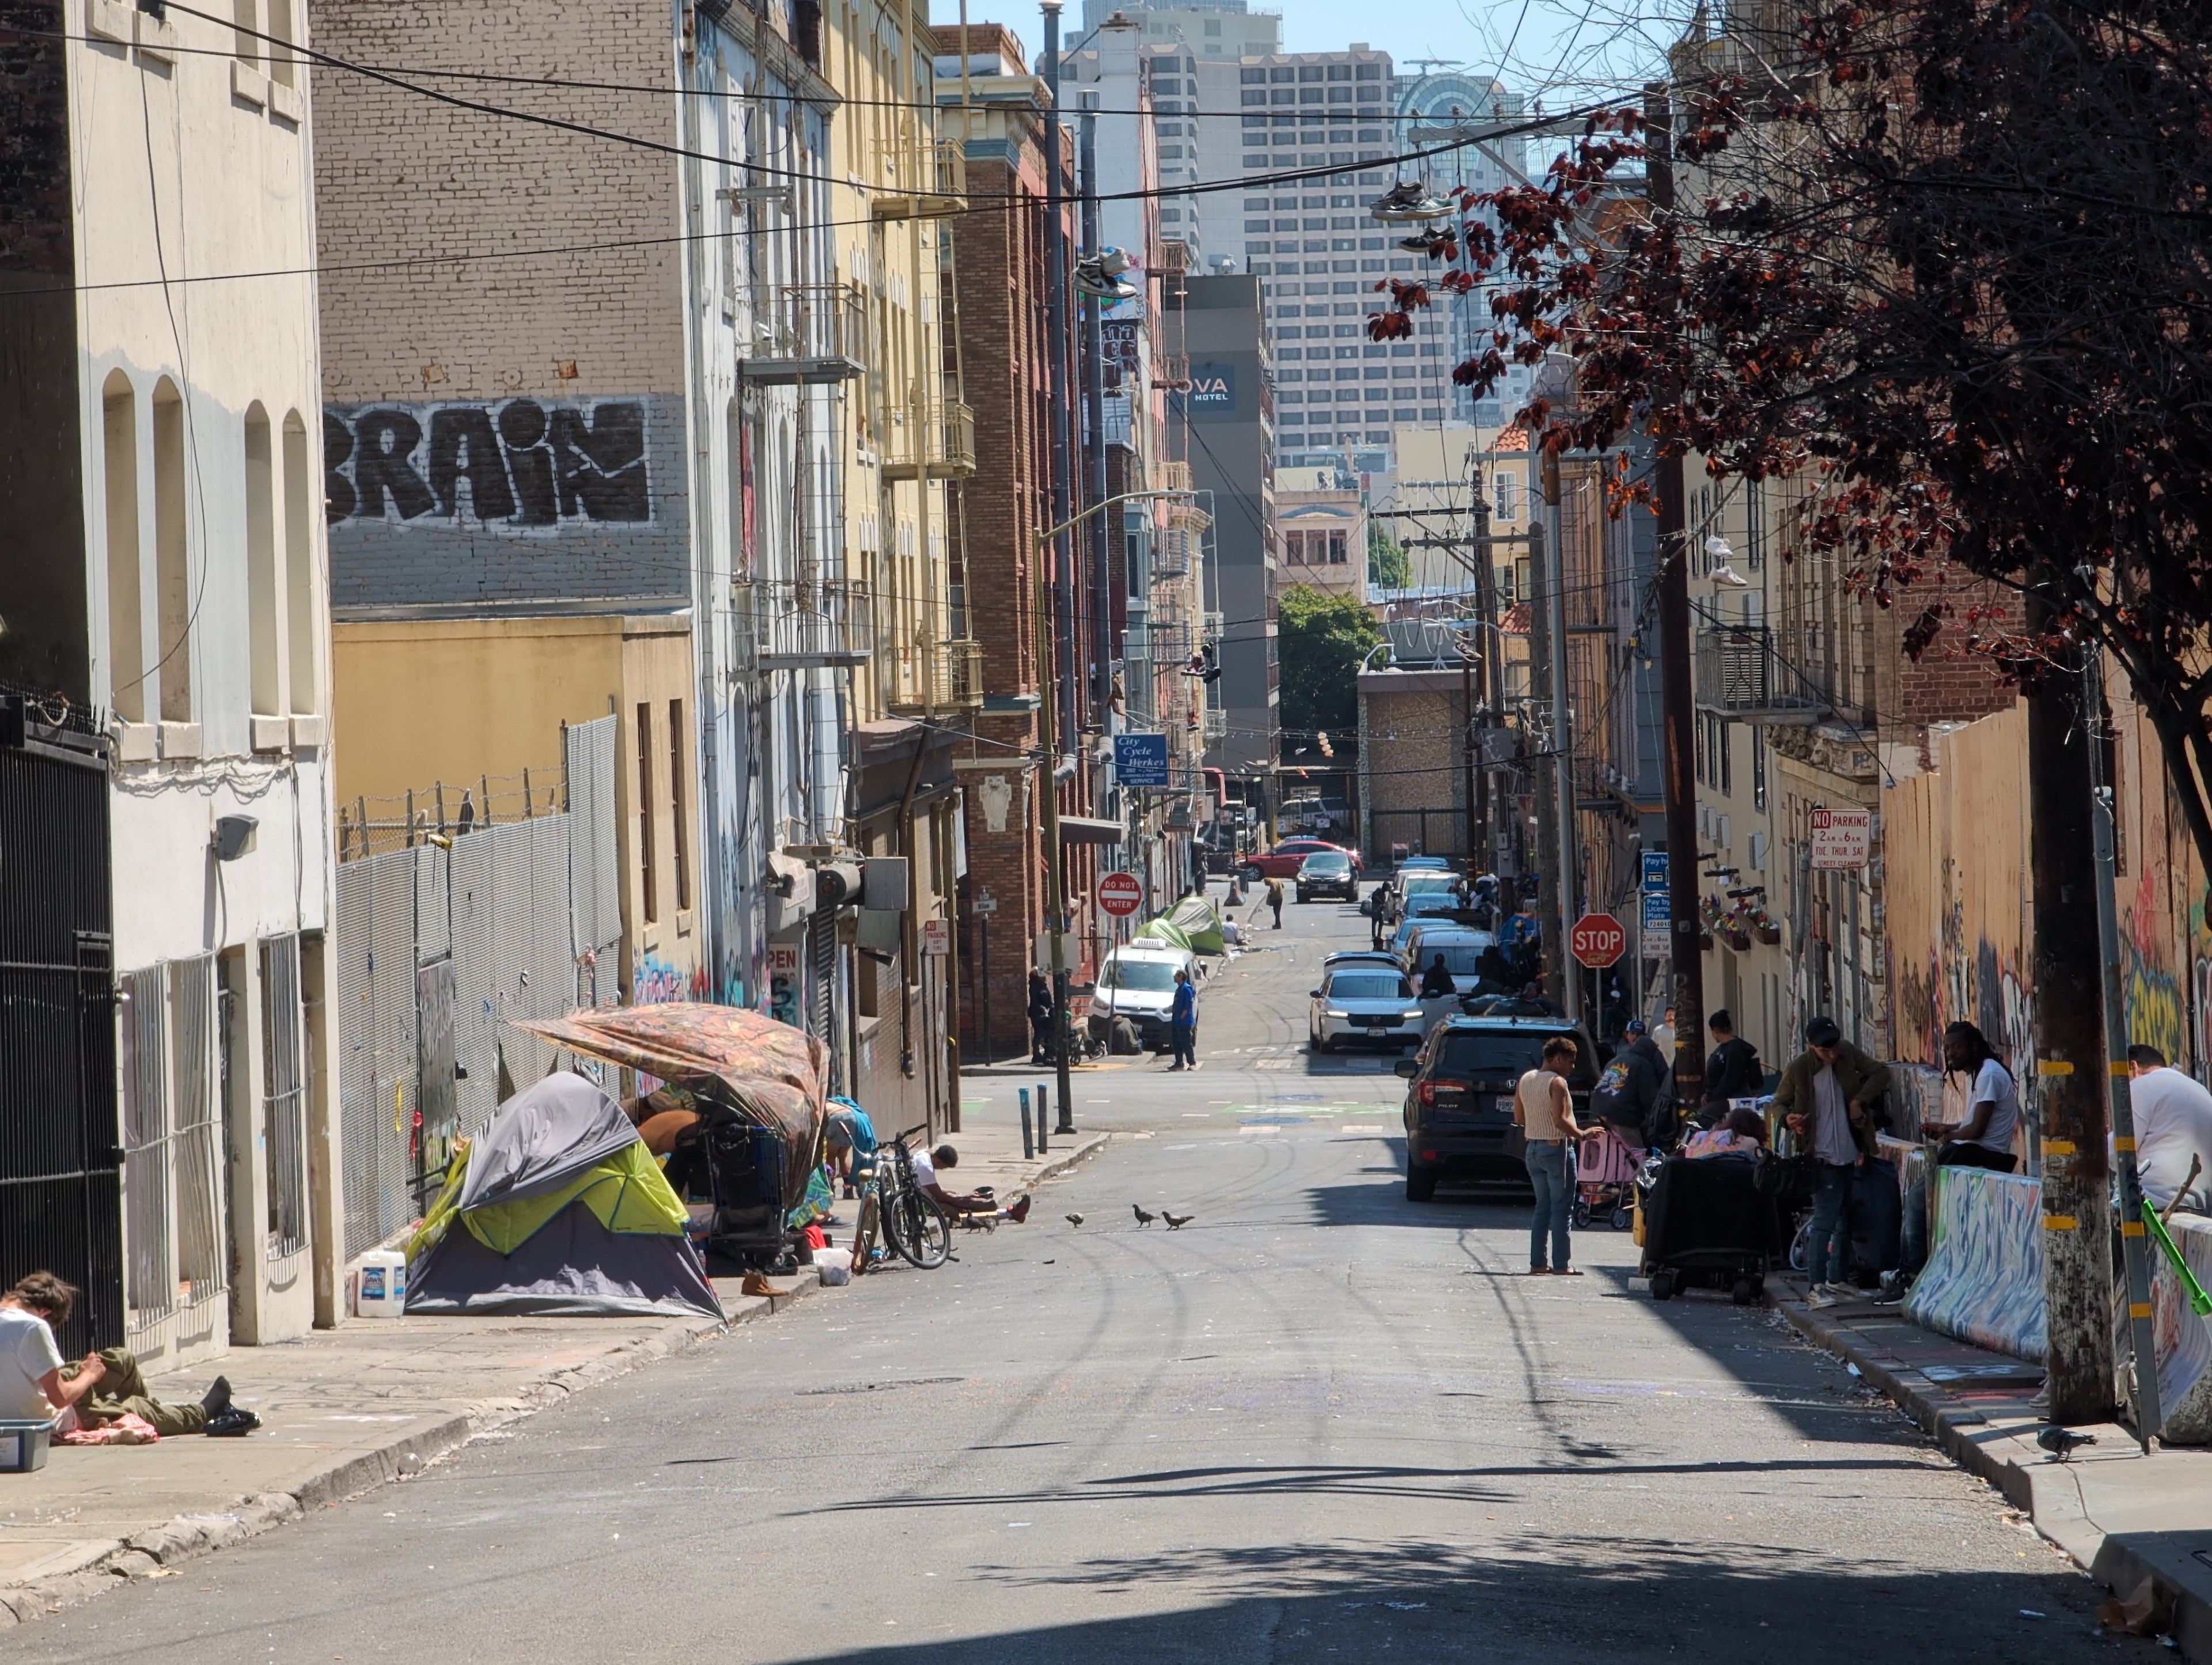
point(380, 1284)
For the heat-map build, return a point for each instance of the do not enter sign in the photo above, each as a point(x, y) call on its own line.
point(1598, 940)
point(1119, 894)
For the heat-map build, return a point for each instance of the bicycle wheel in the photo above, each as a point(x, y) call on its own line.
point(917, 1229)
point(865, 1233)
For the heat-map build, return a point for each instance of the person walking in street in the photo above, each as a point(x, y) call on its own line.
point(1275, 900)
point(1182, 1023)
point(1544, 1108)
point(1040, 1015)
point(1826, 1098)
point(1662, 1036)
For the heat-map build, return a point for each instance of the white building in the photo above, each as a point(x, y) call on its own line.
point(160, 475)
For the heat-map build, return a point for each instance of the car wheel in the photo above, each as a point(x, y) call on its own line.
point(1420, 1182)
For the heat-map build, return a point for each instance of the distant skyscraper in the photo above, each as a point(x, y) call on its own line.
point(1206, 28)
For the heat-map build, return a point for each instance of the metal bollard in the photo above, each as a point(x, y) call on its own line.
point(1044, 1119)
point(1029, 1142)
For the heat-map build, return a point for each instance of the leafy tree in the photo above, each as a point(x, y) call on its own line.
point(1321, 640)
point(1944, 263)
point(1388, 568)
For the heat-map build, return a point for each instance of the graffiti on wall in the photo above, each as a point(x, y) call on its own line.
point(517, 465)
point(654, 981)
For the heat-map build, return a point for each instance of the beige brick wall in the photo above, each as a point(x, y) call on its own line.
point(398, 174)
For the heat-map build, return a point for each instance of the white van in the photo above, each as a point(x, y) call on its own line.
point(1137, 981)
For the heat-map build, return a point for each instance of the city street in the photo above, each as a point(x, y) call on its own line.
point(1317, 1422)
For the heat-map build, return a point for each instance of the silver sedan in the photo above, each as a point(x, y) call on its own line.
point(1364, 1003)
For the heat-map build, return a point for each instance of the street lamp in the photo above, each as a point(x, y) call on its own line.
point(1056, 884)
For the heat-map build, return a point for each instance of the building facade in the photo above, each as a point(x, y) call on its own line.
point(167, 641)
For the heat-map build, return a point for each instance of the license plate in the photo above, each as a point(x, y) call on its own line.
point(1378, 1029)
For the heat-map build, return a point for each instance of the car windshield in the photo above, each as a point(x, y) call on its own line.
point(1504, 1054)
point(1431, 902)
point(1327, 861)
point(1421, 884)
point(1146, 976)
point(1368, 986)
point(1459, 957)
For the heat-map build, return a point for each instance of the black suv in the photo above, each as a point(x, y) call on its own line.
point(1328, 872)
point(1459, 1106)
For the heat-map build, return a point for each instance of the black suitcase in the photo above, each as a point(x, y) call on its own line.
point(1877, 1219)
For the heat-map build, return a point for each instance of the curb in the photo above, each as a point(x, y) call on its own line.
point(2046, 1493)
point(1090, 1145)
point(159, 1550)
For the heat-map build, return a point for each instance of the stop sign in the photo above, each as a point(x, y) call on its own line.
point(1598, 939)
point(1119, 894)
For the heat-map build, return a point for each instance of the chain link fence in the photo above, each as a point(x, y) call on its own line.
point(440, 945)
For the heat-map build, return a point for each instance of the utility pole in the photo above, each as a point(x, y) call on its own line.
point(2135, 1244)
point(1562, 764)
point(1550, 904)
point(1094, 408)
point(1677, 695)
point(1062, 684)
point(2068, 1029)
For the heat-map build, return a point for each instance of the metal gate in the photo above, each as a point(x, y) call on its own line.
point(60, 1176)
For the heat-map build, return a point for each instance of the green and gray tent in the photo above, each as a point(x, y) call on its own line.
point(556, 1209)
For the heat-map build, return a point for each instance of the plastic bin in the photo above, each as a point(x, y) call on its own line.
point(380, 1284)
point(23, 1445)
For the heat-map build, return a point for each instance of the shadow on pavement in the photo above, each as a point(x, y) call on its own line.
point(1540, 1594)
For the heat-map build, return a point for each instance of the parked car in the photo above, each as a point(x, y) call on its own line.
point(1461, 945)
point(1379, 957)
point(1138, 982)
point(1369, 1003)
point(1328, 872)
point(1428, 905)
point(1459, 1097)
point(1289, 856)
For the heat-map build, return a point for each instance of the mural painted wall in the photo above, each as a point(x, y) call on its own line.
point(457, 504)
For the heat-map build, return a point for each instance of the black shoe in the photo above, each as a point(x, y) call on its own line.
point(235, 1423)
point(216, 1399)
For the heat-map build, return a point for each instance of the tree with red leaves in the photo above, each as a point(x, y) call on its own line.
point(1951, 261)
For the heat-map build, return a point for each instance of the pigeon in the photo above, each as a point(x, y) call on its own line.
point(1142, 1218)
point(1075, 1219)
point(2062, 1442)
point(1176, 1222)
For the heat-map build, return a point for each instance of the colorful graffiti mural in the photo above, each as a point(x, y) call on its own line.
point(654, 981)
point(1984, 1283)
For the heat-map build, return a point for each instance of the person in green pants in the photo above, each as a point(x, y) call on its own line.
point(96, 1389)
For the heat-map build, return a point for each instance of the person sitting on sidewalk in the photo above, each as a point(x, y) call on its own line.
point(1826, 1097)
point(1742, 1134)
point(1983, 1140)
point(2173, 1127)
point(102, 1386)
point(926, 1166)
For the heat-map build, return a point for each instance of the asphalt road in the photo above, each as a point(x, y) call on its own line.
point(1318, 1423)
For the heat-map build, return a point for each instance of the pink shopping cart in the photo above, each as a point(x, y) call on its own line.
point(1605, 1179)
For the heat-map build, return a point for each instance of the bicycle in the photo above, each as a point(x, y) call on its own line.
point(908, 1218)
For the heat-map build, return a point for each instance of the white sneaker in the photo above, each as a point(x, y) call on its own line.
point(1817, 1296)
point(1842, 1291)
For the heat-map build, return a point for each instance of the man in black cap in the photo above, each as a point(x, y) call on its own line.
point(1826, 1098)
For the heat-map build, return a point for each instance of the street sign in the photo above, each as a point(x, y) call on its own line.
point(1119, 894)
point(937, 937)
point(1655, 870)
point(1598, 940)
point(1659, 918)
point(985, 904)
point(1141, 760)
point(1841, 838)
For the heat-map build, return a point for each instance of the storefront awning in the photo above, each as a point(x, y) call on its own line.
point(1089, 830)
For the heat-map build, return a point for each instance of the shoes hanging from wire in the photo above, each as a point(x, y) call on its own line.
point(1409, 200)
point(1099, 275)
point(1433, 241)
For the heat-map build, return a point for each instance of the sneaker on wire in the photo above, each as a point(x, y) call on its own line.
point(1433, 241)
point(1409, 200)
point(1101, 285)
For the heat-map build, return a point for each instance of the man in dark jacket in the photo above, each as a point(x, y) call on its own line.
point(1633, 1093)
point(1040, 1015)
point(1826, 1098)
point(1732, 1067)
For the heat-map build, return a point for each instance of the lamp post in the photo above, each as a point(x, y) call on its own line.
point(1055, 886)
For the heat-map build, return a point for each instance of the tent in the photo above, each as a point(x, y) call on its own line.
point(1194, 923)
point(556, 1209)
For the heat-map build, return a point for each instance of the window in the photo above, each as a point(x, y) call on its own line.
point(263, 621)
point(1339, 94)
point(1758, 770)
point(245, 39)
point(126, 667)
point(1722, 749)
point(281, 56)
point(1337, 549)
point(1213, 26)
point(1247, 76)
point(172, 560)
point(1367, 72)
point(1309, 72)
point(1280, 75)
point(676, 801)
point(649, 891)
point(303, 632)
point(1506, 489)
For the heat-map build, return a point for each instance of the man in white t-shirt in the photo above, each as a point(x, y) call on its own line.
point(2173, 1126)
point(926, 1166)
point(32, 1387)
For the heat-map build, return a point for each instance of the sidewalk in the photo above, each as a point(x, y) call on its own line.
point(345, 1411)
point(2124, 1519)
